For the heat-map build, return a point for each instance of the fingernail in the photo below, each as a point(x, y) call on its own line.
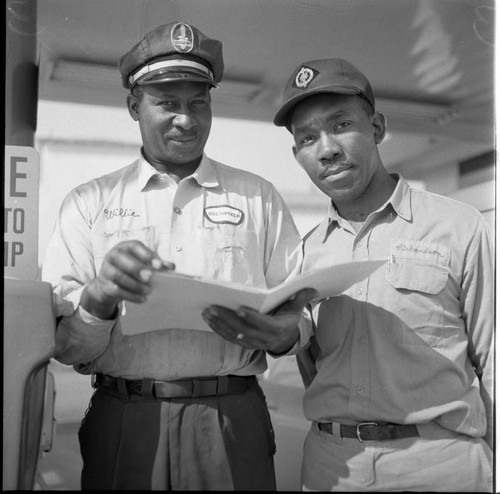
point(145, 274)
point(156, 263)
point(211, 312)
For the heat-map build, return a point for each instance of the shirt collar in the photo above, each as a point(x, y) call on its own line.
point(401, 198)
point(400, 201)
point(205, 174)
point(145, 171)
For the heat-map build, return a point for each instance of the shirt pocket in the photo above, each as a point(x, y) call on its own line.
point(226, 252)
point(104, 241)
point(418, 266)
point(417, 273)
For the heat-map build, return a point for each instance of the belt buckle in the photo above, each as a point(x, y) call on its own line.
point(358, 430)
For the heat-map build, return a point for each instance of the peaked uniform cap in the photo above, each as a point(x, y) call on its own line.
point(173, 52)
point(331, 75)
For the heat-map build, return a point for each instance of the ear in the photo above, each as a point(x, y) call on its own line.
point(133, 106)
point(379, 127)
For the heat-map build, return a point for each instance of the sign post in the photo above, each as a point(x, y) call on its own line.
point(21, 212)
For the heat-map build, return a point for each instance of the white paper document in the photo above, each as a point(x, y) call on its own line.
point(177, 300)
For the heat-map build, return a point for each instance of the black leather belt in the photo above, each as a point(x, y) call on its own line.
point(372, 431)
point(189, 388)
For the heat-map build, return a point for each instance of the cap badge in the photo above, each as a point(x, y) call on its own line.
point(182, 38)
point(304, 77)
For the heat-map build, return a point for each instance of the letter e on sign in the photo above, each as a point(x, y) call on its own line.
point(22, 172)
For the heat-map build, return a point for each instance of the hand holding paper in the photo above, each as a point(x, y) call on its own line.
point(275, 333)
point(177, 301)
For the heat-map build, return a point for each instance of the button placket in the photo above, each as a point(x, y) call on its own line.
point(360, 384)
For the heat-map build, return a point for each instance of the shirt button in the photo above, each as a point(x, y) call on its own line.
point(359, 291)
point(362, 339)
point(360, 391)
point(178, 248)
point(359, 245)
point(177, 210)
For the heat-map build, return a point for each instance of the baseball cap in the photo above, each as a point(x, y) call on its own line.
point(331, 75)
point(173, 52)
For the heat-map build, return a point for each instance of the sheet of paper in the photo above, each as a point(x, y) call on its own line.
point(329, 281)
point(177, 301)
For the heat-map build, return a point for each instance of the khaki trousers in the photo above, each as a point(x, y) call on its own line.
point(438, 461)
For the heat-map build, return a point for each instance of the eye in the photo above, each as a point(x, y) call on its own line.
point(342, 125)
point(306, 139)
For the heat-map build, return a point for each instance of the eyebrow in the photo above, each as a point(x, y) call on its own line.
point(333, 116)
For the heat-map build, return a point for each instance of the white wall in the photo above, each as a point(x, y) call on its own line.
point(79, 142)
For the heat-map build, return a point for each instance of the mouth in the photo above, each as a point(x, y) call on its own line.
point(182, 138)
point(337, 172)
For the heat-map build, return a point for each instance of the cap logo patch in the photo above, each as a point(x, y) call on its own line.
point(304, 77)
point(224, 215)
point(182, 38)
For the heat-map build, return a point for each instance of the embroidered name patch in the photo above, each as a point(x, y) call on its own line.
point(224, 215)
point(121, 212)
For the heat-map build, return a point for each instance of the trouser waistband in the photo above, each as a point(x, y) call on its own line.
point(185, 388)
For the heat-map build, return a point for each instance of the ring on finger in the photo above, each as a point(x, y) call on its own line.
point(239, 336)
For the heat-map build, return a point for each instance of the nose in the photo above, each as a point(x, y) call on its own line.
point(329, 147)
point(184, 118)
point(184, 121)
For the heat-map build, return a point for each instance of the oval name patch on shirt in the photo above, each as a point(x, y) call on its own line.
point(224, 214)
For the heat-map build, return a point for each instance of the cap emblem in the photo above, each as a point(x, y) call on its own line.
point(182, 38)
point(304, 77)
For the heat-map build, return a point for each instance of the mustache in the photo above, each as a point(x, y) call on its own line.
point(175, 135)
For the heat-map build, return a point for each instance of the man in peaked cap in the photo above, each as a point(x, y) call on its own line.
point(398, 373)
point(175, 408)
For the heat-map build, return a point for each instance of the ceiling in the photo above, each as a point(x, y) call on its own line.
point(430, 62)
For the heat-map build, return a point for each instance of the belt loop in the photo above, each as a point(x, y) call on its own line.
point(222, 385)
point(147, 388)
point(122, 387)
point(196, 388)
point(336, 432)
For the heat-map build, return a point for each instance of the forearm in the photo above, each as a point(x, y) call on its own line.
point(81, 337)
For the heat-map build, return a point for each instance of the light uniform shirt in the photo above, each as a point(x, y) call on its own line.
point(220, 222)
point(407, 344)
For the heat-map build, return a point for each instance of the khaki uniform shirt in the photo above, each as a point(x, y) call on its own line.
point(412, 343)
point(220, 222)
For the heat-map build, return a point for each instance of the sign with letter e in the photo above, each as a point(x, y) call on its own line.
point(22, 172)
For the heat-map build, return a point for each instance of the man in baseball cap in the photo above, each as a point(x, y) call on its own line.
point(402, 362)
point(174, 409)
point(398, 373)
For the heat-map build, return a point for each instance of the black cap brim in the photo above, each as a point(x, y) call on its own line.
point(162, 76)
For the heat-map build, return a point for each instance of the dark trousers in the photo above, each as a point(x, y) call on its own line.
point(211, 443)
